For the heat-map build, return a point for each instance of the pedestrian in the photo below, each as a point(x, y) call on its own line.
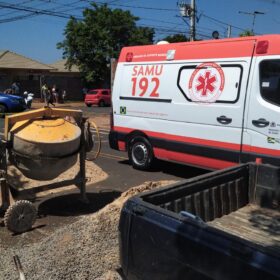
point(44, 90)
point(63, 95)
point(15, 88)
point(55, 93)
point(50, 98)
point(28, 97)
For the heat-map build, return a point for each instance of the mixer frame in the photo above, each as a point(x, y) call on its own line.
point(6, 197)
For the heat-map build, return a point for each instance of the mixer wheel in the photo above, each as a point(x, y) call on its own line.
point(20, 216)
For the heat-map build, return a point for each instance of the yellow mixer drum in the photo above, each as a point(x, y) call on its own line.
point(44, 148)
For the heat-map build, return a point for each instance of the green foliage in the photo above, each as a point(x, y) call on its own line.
point(176, 38)
point(246, 33)
point(101, 34)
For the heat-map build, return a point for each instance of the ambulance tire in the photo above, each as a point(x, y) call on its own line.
point(140, 153)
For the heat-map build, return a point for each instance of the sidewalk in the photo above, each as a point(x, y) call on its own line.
point(68, 104)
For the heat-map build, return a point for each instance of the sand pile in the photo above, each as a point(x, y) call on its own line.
point(86, 249)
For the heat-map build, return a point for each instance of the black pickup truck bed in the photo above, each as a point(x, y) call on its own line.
point(253, 223)
point(222, 225)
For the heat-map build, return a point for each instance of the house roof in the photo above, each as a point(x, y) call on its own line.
point(11, 60)
point(60, 67)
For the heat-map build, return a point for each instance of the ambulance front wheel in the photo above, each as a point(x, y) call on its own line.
point(140, 153)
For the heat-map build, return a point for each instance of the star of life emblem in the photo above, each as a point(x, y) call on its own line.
point(206, 83)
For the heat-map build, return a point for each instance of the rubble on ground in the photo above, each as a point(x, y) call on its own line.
point(86, 249)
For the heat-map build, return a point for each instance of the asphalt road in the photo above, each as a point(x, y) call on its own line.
point(121, 174)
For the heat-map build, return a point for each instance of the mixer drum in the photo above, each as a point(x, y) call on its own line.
point(44, 148)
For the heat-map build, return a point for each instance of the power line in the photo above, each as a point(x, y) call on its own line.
point(36, 11)
point(13, 12)
point(16, 18)
point(135, 7)
point(152, 19)
point(62, 14)
point(222, 22)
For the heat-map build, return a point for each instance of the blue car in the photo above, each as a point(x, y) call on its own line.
point(11, 103)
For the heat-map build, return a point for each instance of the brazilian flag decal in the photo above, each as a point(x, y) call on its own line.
point(271, 140)
point(123, 110)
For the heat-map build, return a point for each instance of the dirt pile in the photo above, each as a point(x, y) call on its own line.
point(94, 174)
point(86, 249)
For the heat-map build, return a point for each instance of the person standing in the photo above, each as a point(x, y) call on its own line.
point(44, 92)
point(55, 93)
point(63, 95)
point(28, 97)
point(15, 88)
point(50, 98)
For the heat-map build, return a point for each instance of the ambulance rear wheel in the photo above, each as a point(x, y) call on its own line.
point(140, 153)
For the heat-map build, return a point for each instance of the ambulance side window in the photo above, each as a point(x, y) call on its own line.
point(270, 81)
point(210, 82)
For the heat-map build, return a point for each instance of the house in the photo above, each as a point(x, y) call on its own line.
point(31, 75)
point(17, 68)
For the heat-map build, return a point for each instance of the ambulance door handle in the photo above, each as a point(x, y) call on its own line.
point(224, 120)
point(260, 123)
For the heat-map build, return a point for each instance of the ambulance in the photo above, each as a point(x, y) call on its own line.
point(211, 104)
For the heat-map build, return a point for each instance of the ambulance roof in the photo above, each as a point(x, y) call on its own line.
point(209, 49)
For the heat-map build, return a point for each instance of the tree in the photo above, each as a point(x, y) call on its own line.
point(246, 33)
point(93, 41)
point(176, 38)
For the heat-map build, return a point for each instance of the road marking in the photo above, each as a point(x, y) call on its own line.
point(100, 132)
point(100, 129)
point(104, 127)
point(112, 156)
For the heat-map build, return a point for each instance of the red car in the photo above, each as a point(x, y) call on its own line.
point(100, 97)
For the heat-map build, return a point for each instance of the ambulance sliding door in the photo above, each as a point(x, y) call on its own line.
point(213, 112)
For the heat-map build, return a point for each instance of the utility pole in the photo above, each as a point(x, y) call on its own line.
point(192, 21)
point(188, 10)
point(254, 14)
point(229, 31)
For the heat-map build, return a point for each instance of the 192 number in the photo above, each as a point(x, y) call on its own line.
point(143, 85)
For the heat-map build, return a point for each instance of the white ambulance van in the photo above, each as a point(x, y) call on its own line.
point(211, 104)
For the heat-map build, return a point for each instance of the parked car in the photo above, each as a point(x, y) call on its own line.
point(100, 97)
point(11, 103)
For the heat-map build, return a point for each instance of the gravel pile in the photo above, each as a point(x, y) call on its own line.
point(94, 174)
point(86, 249)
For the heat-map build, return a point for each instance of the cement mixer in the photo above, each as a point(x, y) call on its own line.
point(42, 144)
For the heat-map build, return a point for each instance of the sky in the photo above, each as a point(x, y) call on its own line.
point(35, 36)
